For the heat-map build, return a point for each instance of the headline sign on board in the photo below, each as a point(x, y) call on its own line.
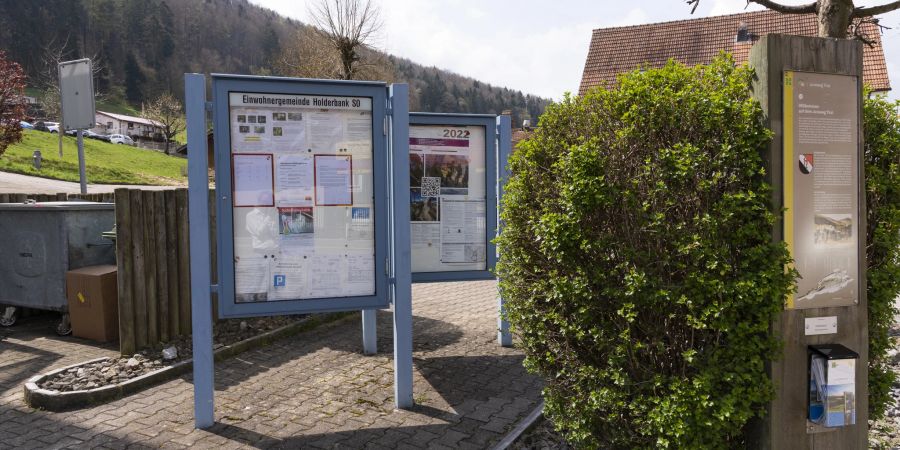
point(821, 187)
point(448, 196)
point(303, 197)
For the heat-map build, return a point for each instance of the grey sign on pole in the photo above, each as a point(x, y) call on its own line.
point(76, 87)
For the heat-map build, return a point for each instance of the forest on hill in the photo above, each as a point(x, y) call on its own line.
point(142, 48)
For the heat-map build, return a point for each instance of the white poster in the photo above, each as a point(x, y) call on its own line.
point(294, 180)
point(304, 213)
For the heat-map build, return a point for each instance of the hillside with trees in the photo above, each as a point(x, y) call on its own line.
point(142, 48)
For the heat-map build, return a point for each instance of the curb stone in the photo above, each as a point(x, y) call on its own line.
point(57, 401)
point(526, 424)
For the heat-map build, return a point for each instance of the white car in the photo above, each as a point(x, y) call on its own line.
point(120, 139)
point(52, 127)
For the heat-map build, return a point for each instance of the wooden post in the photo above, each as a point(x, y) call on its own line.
point(140, 280)
point(786, 426)
point(184, 261)
point(162, 272)
point(125, 276)
point(150, 267)
point(174, 323)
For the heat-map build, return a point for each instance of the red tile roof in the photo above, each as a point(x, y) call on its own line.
point(697, 41)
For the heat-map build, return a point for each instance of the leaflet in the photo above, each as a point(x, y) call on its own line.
point(294, 180)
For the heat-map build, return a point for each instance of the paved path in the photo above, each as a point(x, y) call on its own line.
point(314, 390)
point(14, 183)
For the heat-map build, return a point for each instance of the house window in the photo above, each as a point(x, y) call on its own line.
point(108, 125)
point(130, 125)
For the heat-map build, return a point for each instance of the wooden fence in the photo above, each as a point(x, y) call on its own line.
point(152, 253)
point(107, 197)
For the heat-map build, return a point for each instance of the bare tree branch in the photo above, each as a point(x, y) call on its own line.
point(349, 25)
point(786, 9)
point(875, 10)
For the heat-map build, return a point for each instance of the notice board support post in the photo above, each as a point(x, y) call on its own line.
point(82, 177)
point(504, 148)
point(789, 86)
point(198, 205)
point(401, 256)
point(370, 337)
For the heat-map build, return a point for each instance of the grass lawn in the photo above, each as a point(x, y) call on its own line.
point(105, 163)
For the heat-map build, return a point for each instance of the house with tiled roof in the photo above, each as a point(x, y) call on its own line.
point(617, 50)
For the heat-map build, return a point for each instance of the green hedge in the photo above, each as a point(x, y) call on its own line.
point(882, 157)
point(638, 263)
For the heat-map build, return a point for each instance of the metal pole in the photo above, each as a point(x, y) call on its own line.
point(198, 215)
point(400, 248)
point(370, 335)
point(81, 175)
point(504, 147)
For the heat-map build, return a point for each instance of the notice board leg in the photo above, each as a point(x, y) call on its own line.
point(400, 251)
point(198, 214)
point(504, 337)
point(370, 337)
point(504, 148)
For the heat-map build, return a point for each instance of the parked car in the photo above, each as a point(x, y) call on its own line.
point(41, 126)
point(120, 139)
point(97, 136)
point(53, 127)
point(25, 125)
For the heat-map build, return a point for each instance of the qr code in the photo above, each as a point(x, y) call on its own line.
point(431, 186)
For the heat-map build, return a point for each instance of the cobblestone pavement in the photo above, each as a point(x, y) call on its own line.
point(313, 390)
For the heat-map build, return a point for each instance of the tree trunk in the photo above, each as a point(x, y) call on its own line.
point(834, 17)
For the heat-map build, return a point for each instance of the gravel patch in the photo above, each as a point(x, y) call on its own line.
point(118, 370)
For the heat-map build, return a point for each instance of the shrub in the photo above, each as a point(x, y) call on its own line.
point(12, 102)
point(638, 263)
point(882, 164)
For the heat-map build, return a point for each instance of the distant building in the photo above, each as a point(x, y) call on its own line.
point(136, 127)
point(618, 50)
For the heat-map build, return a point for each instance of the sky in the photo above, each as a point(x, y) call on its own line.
point(535, 46)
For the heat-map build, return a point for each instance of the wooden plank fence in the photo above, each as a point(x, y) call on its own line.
point(153, 256)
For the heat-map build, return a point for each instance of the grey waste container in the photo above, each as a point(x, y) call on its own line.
point(39, 243)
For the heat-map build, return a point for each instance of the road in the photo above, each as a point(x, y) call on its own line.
point(13, 183)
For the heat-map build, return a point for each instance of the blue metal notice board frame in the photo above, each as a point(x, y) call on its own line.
point(489, 122)
point(391, 203)
point(222, 86)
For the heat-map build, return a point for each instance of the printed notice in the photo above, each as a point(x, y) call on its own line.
point(288, 278)
point(821, 187)
point(334, 181)
point(253, 184)
point(250, 276)
point(462, 231)
point(294, 180)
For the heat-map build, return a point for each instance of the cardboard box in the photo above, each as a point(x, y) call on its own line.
point(93, 302)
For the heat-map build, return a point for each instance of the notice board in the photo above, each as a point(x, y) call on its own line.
point(452, 183)
point(821, 187)
point(300, 228)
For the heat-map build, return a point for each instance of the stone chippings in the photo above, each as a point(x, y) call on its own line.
point(118, 370)
point(312, 390)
